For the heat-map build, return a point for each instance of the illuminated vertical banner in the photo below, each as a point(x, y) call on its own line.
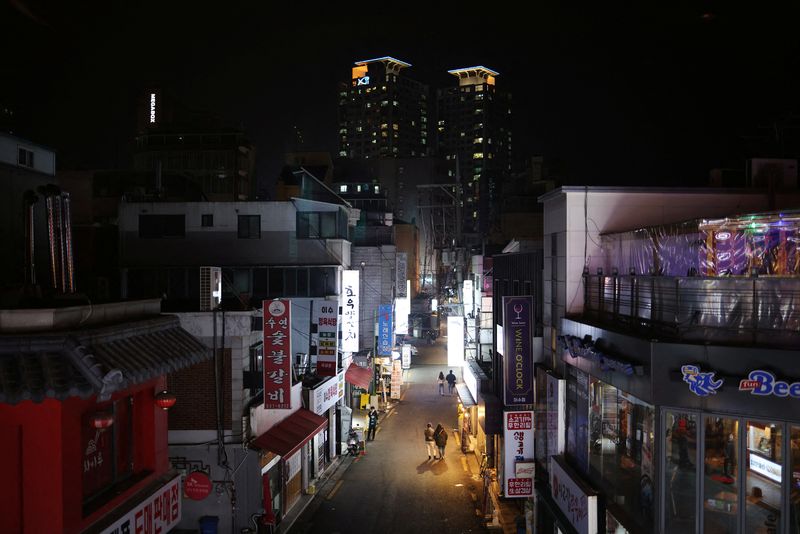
point(350, 311)
point(517, 346)
point(385, 332)
point(277, 354)
point(455, 340)
point(400, 274)
point(325, 318)
point(518, 446)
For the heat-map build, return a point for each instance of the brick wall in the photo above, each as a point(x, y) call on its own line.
point(194, 389)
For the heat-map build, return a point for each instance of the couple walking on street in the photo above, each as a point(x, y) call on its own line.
point(451, 382)
point(435, 439)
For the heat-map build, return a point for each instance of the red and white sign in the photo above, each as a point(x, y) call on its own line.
point(157, 514)
point(326, 338)
point(197, 486)
point(277, 354)
point(518, 441)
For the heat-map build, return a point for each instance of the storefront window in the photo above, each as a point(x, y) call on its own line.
point(681, 471)
point(763, 468)
point(721, 489)
point(794, 520)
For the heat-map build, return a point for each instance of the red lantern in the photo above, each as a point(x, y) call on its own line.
point(165, 400)
point(102, 420)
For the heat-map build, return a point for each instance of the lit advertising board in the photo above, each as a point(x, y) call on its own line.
point(518, 447)
point(324, 335)
point(277, 354)
point(518, 357)
point(350, 291)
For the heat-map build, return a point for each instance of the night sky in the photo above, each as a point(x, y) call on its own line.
point(643, 95)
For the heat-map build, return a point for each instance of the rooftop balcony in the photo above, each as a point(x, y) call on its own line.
point(715, 310)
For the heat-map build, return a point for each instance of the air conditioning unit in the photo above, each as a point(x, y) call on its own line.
point(210, 288)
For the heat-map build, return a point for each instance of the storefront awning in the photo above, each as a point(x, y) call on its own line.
point(289, 435)
point(465, 396)
point(358, 376)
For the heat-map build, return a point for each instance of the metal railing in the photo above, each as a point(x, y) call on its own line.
point(764, 311)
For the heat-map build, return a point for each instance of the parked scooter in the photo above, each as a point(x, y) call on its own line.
point(352, 443)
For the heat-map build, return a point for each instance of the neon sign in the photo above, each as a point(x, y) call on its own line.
point(364, 80)
point(152, 108)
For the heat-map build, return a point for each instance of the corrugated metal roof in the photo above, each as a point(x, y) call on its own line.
point(94, 362)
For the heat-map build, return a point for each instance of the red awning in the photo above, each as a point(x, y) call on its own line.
point(289, 435)
point(358, 376)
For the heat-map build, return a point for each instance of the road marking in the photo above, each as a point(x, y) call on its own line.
point(334, 490)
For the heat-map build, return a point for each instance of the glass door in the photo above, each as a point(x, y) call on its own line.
point(721, 473)
point(763, 472)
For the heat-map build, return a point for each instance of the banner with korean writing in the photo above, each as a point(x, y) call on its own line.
point(277, 354)
point(518, 464)
point(159, 512)
point(385, 333)
point(324, 335)
point(350, 295)
point(401, 272)
point(517, 347)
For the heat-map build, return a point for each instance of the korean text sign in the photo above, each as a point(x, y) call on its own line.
point(160, 512)
point(518, 358)
point(350, 295)
point(277, 354)
point(518, 464)
point(325, 317)
point(385, 330)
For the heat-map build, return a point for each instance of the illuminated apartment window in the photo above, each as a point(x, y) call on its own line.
point(413, 123)
point(424, 118)
point(424, 141)
point(377, 189)
point(395, 103)
point(394, 127)
point(479, 87)
point(384, 103)
point(384, 134)
point(394, 149)
point(474, 214)
point(358, 188)
point(343, 189)
point(342, 130)
point(374, 141)
point(463, 134)
point(478, 140)
point(479, 97)
point(477, 155)
point(343, 153)
point(491, 156)
point(441, 123)
point(359, 129)
point(478, 111)
point(384, 126)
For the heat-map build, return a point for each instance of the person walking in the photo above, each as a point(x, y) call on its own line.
point(429, 442)
point(441, 383)
point(451, 381)
point(440, 438)
point(373, 423)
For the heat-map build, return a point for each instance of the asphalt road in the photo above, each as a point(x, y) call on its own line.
point(394, 488)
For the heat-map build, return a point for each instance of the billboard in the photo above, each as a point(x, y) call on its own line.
point(385, 332)
point(518, 357)
point(324, 332)
point(518, 447)
point(455, 341)
point(350, 290)
point(277, 354)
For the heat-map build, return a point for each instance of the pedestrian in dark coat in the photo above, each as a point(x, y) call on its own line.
point(373, 423)
point(440, 437)
point(451, 381)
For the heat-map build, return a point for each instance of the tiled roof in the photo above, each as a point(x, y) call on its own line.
point(99, 361)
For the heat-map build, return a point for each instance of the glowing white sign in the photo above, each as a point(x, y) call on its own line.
point(455, 341)
point(765, 467)
point(152, 108)
point(350, 294)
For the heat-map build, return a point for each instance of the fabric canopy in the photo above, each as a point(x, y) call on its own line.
point(289, 435)
point(358, 376)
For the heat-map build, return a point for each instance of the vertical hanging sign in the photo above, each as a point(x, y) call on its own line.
point(350, 311)
point(324, 318)
point(385, 334)
point(518, 463)
point(277, 354)
point(401, 272)
point(517, 357)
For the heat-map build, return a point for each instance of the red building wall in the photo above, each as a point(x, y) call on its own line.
point(44, 460)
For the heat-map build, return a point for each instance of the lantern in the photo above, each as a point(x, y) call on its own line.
point(102, 420)
point(165, 400)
